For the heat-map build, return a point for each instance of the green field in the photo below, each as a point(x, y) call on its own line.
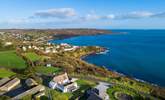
point(112, 92)
point(83, 82)
point(6, 73)
point(47, 70)
point(11, 60)
point(32, 56)
point(56, 95)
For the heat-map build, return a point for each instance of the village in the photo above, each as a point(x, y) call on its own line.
point(50, 48)
point(60, 82)
point(17, 88)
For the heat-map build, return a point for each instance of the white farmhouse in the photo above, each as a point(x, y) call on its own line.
point(48, 65)
point(29, 46)
point(63, 83)
point(8, 43)
point(24, 48)
point(47, 50)
point(64, 44)
point(54, 51)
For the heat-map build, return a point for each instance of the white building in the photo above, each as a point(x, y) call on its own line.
point(24, 48)
point(48, 65)
point(8, 43)
point(57, 47)
point(71, 48)
point(64, 44)
point(47, 50)
point(63, 83)
point(29, 46)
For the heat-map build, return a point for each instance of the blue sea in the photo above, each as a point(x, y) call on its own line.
point(136, 53)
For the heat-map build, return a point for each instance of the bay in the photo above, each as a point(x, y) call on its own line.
point(137, 53)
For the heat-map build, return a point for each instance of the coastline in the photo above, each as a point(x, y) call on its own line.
point(66, 36)
point(96, 53)
point(120, 73)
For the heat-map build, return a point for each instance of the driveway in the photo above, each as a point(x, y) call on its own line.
point(102, 87)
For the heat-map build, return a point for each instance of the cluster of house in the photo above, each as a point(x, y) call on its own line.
point(42, 39)
point(17, 35)
point(9, 85)
point(59, 82)
point(2, 33)
point(50, 48)
point(63, 83)
point(6, 84)
point(12, 34)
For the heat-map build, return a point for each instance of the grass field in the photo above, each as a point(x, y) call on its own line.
point(11, 60)
point(6, 73)
point(47, 70)
point(56, 95)
point(32, 56)
point(112, 91)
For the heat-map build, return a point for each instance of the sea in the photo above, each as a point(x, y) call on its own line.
point(137, 53)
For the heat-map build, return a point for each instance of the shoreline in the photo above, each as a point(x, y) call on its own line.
point(67, 36)
point(121, 74)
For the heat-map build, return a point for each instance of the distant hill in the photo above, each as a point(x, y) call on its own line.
point(60, 31)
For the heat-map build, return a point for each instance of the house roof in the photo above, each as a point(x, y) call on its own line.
point(11, 82)
point(61, 78)
point(31, 82)
point(9, 85)
point(33, 90)
point(4, 80)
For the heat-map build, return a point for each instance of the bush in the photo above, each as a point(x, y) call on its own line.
point(3, 97)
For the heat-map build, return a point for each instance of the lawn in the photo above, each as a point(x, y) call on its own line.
point(6, 73)
point(47, 70)
point(86, 82)
point(136, 85)
point(11, 60)
point(112, 91)
point(56, 95)
point(32, 56)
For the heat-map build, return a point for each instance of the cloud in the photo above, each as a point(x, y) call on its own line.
point(68, 16)
point(95, 17)
point(134, 15)
point(110, 16)
point(63, 13)
point(159, 15)
point(139, 15)
point(90, 17)
point(131, 15)
point(56, 13)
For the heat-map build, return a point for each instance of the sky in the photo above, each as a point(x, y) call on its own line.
point(103, 14)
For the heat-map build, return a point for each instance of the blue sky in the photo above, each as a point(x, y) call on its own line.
point(116, 14)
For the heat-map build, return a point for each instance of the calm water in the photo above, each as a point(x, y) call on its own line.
point(137, 53)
